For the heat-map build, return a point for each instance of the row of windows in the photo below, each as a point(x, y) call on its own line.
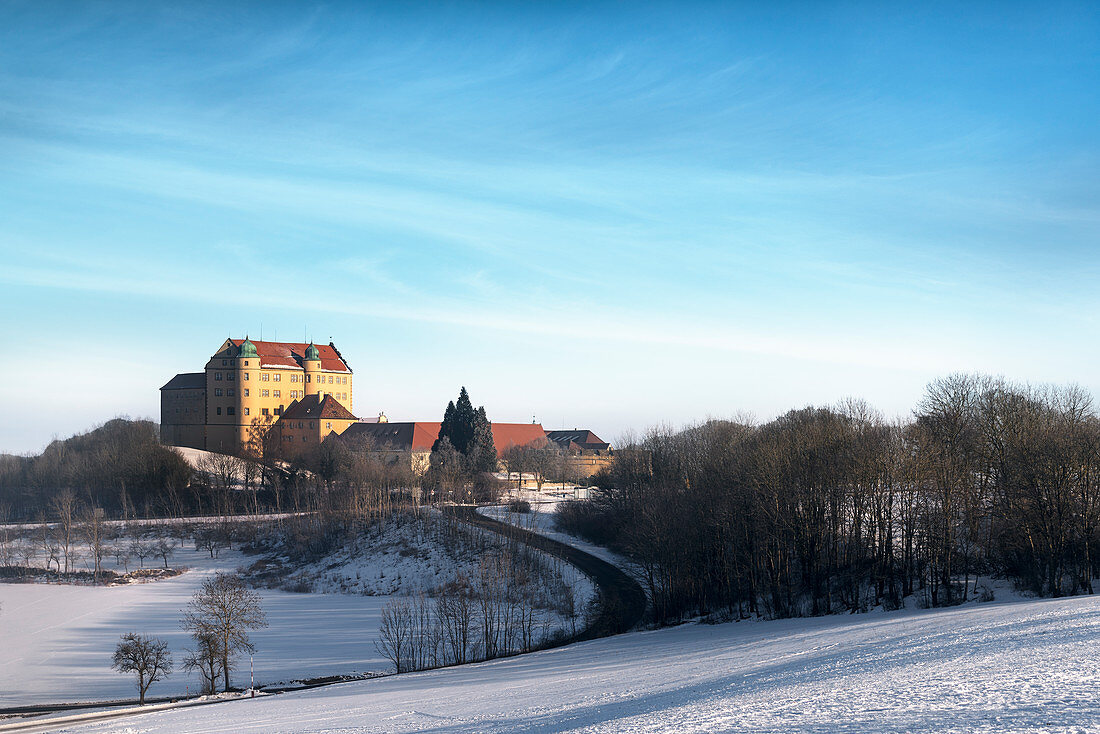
point(247, 411)
point(342, 396)
point(276, 377)
point(332, 379)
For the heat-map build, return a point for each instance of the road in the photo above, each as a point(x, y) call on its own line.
point(621, 600)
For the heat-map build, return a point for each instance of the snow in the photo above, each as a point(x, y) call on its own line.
point(1021, 666)
point(56, 640)
point(541, 520)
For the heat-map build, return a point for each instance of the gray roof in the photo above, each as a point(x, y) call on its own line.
point(187, 381)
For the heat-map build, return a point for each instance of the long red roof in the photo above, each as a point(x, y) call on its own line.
point(291, 354)
point(418, 436)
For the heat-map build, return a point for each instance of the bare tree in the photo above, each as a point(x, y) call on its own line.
point(165, 548)
point(141, 550)
point(395, 635)
point(206, 658)
point(65, 508)
point(121, 554)
point(95, 536)
point(225, 608)
point(146, 657)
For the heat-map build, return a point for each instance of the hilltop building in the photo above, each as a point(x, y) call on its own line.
point(251, 383)
point(586, 451)
point(412, 441)
point(304, 392)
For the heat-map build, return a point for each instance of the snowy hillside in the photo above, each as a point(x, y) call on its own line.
point(1021, 666)
point(397, 558)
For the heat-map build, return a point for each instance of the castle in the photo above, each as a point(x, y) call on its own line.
point(304, 392)
point(249, 385)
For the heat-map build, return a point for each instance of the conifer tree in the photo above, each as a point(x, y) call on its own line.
point(469, 432)
point(483, 453)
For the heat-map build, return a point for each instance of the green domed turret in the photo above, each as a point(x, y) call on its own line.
point(247, 349)
point(312, 354)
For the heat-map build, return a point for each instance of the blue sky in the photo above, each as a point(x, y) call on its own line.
point(607, 216)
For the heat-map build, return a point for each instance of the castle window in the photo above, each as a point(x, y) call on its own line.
point(219, 411)
point(246, 411)
point(330, 379)
point(230, 410)
point(303, 439)
point(246, 363)
point(265, 393)
point(218, 391)
point(311, 424)
point(230, 376)
point(276, 377)
point(244, 376)
point(230, 392)
point(217, 375)
point(299, 424)
point(278, 393)
point(244, 392)
point(263, 410)
point(264, 377)
point(328, 425)
point(225, 362)
point(307, 378)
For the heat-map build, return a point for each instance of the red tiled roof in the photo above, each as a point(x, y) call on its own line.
point(290, 354)
point(506, 435)
point(418, 436)
point(413, 437)
point(311, 407)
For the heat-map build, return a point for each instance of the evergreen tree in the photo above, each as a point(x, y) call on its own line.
point(446, 428)
point(469, 432)
point(483, 453)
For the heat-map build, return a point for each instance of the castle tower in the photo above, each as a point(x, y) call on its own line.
point(311, 363)
point(247, 363)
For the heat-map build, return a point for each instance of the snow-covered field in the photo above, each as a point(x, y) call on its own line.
point(56, 640)
point(1020, 666)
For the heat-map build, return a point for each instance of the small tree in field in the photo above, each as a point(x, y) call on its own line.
point(146, 657)
point(224, 608)
point(206, 658)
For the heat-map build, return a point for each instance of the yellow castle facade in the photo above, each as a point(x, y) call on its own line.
point(249, 387)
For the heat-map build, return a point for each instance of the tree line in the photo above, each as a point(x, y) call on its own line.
point(120, 467)
point(835, 509)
